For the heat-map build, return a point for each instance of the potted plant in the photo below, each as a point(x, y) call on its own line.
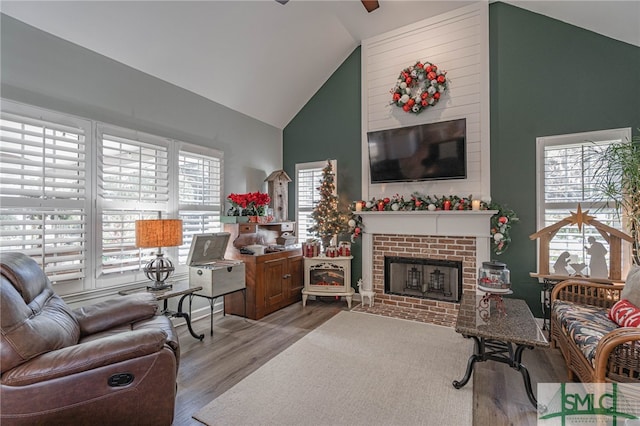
point(617, 177)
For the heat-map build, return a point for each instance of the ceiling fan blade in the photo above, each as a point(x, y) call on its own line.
point(282, 1)
point(370, 5)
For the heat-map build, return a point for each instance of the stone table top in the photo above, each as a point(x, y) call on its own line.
point(515, 324)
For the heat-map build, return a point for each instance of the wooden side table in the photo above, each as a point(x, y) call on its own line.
point(181, 289)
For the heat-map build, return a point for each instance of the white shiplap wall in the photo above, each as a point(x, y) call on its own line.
point(457, 42)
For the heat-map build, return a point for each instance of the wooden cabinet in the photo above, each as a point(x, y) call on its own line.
point(296, 269)
point(274, 280)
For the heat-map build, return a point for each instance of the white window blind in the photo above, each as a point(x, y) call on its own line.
point(566, 168)
point(71, 190)
point(131, 170)
point(133, 183)
point(54, 238)
point(200, 195)
point(119, 252)
point(308, 179)
point(43, 192)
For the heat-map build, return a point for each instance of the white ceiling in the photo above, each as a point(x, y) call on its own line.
point(259, 57)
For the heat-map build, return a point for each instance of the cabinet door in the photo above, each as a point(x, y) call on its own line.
point(295, 278)
point(274, 271)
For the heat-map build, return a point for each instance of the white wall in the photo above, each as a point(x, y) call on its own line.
point(457, 42)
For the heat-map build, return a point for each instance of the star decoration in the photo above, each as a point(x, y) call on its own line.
point(580, 217)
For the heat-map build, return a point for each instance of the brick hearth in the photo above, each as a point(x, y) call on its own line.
point(443, 235)
point(461, 249)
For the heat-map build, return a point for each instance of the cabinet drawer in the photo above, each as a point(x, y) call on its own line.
point(247, 228)
point(284, 227)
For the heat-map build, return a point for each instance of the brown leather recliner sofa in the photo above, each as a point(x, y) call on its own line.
point(114, 362)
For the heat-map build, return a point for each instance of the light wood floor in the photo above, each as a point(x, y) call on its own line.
point(240, 346)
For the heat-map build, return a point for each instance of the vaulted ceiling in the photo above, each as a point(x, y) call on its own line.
point(263, 58)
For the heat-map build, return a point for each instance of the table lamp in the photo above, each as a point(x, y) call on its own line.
point(158, 233)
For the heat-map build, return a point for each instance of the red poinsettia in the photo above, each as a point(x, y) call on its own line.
point(252, 203)
point(238, 200)
point(250, 199)
point(258, 199)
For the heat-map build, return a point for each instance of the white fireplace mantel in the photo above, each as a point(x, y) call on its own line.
point(458, 223)
point(442, 223)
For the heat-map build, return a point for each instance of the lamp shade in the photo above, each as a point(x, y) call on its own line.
point(158, 233)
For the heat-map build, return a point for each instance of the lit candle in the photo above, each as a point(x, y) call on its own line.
point(475, 204)
point(358, 206)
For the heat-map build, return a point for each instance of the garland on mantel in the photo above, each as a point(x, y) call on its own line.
point(501, 222)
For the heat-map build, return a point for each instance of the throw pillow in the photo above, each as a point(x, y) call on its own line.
point(625, 314)
point(631, 290)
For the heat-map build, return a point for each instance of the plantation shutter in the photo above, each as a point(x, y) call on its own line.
point(567, 179)
point(133, 184)
point(72, 189)
point(43, 176)
point(131, 170)
point(200, 199)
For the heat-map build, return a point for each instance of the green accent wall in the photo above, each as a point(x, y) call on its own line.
point(329, 127)
point(548, 78)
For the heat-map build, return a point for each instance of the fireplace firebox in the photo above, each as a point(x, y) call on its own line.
point(423, 278)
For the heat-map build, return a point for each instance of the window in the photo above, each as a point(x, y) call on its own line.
point(133, 184)
point(200, 189)
point(308, 179)
point(71, 190)
point(44, 192)
point(565, 170)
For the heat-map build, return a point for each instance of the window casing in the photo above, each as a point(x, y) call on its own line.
point(45, 192)
point(565, 173)
point(308, 179)
point(132, 184)
point(200, 189)
point(71, 190)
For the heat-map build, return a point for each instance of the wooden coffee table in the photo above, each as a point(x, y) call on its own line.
point(502, 329)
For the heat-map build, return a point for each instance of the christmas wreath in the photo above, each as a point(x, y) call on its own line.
point(419, 86)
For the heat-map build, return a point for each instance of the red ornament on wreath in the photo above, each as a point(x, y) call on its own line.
point(419, 87)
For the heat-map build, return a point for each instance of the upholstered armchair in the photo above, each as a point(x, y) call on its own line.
point(110, 363)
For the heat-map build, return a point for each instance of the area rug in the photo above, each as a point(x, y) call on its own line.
point(355, 369)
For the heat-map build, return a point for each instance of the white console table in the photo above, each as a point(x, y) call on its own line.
point(327, 276)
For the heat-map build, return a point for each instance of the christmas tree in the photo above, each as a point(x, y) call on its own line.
point(330, 217)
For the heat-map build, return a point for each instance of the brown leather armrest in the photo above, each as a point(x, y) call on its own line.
point(114, 312)
point(86, 356)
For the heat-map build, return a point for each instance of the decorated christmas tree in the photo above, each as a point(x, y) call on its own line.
point(330, 217)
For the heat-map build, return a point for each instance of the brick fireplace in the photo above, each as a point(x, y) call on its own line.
point(456, 236)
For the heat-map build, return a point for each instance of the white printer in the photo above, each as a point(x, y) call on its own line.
point(208, 268)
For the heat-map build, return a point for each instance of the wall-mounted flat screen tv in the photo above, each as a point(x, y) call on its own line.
point(432, 151)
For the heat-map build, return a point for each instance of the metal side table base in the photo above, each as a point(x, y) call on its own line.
point(498, 351)
point(181, 314)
